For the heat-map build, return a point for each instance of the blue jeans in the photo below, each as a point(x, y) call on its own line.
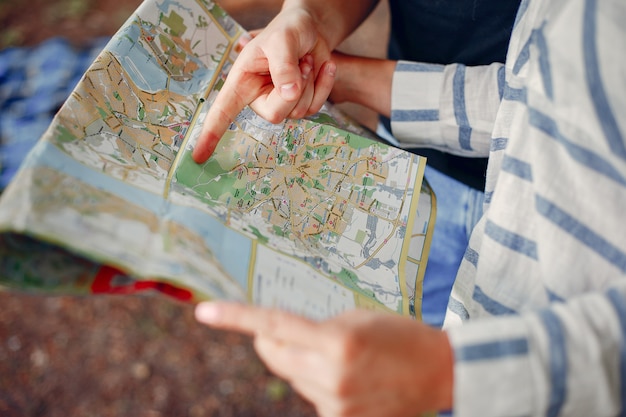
point(459, 208)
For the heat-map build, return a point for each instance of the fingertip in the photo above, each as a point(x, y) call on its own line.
point(242, 42)
point(229, 315)
point(198, 155)
point(330, 68)
point(306, 69)
point(323, 86)
point(245, 39)
point(204, 148)
point(208, 312)
point(306, 66)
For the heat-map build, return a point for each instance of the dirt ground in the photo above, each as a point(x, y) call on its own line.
point(29, 23)
point(128, 356)
point(125, 355)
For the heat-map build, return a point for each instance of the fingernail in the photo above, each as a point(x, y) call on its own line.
point(288, 91)
point(208, 312)
point(331, 68)
point(242, 42)
point(306, 70)
point(245, 39)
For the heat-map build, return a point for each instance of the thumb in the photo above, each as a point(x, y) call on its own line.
point(284, 67)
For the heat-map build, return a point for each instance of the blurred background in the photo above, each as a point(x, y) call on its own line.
point(117, 355)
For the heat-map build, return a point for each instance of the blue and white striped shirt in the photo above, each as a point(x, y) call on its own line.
point(541, 291)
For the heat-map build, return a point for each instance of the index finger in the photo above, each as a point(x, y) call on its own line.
point(222, 112)
point(252, 320)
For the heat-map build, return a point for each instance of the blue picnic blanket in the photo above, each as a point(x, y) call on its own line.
point(34, 83)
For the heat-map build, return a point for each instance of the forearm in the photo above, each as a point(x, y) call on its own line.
point(364, 81)
point(335, 19)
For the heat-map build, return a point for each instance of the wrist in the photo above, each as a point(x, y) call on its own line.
point(444, 376)
point(364, 81)
point(334, 20)
point(433, 370)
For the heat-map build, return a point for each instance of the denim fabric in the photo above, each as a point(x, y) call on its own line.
point(459, 208)
point(34, 83)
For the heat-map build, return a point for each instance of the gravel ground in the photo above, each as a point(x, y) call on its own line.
point(128, 356)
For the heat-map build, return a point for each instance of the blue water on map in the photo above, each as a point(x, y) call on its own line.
point(229, 246)
point(147, 73)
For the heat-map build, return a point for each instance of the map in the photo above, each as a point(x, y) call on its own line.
point(315, 216)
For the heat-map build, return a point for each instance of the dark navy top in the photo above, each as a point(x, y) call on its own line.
point(471, 32)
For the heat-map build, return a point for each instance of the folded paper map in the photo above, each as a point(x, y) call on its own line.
point(314, 216)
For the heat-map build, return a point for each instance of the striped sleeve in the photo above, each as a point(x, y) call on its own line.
point(451, 108)
point(542, 289)
point(569, 359)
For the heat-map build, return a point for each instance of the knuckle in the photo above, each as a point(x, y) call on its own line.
point(284, 68)
point(340, 408)
point(224, 117)
point(343, 387)
point(350, 344)
point(346, 410)
point(273, 116)
point(297, 113)
point(272, 321)
point(314, 108)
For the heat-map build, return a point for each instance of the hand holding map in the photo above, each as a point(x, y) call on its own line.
point(356, 364)
point(276, 76)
